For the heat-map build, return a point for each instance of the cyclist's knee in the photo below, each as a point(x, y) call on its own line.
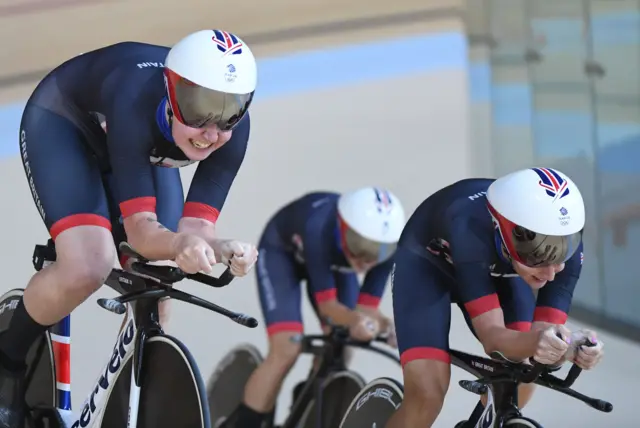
point(85, 256)
point(283, 350)
point(425, 384)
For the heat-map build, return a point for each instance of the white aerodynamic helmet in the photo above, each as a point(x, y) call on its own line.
point(539, 215)
point(210, 76)
point(371, 221)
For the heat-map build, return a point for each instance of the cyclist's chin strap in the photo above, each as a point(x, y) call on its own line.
point(164, 119)
point(501, 248)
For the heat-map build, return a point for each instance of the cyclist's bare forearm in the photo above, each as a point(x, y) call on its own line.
point(515, 345)
point(199, 227)
point(150, 238)
point(337, 313)
point(494, 336)
point(205, 230)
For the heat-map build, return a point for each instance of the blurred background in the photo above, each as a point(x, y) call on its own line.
point(409, 94)
point(557, 83)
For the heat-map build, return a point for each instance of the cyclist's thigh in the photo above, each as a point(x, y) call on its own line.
point(421, 308)
point(278, 286)
point(64, 178)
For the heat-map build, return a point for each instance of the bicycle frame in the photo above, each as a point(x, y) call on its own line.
point(143, 290)
point(499, 379)
point(331, 355)
point(138, 327)
point(331, 360)
point(127, 343)
point(502, 399)
point(94, 405)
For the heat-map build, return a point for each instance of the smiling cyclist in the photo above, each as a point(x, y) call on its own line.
point(490, 246)
point(325, 239)
point(98, 140)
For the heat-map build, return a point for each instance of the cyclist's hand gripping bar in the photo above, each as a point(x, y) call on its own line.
point(165, 276)
point(170, 275)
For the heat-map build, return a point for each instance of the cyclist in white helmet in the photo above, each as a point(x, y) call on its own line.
point(324, 239)
point(485, 245)
point(98, 139)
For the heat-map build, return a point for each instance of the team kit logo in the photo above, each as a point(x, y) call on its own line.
point(228, 44)
point(384, 204)
point(555, 187)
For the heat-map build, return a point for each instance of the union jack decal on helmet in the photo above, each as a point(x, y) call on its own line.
point(227, 42)
point(555, 186)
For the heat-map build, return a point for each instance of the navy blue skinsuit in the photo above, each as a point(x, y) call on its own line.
point(447, 254)
point(80, 175)
point(301, 242)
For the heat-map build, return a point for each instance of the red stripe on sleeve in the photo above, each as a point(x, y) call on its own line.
point(200, 210)
point(550, 315)
point(366, 299)
point(138, 205)
point(326, 295)
point(482, 305)
point(519, 326)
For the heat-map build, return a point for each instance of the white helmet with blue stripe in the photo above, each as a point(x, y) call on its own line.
point(371, 222)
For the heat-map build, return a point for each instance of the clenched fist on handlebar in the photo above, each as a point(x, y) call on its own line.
point(193, 254)
point(239, 256)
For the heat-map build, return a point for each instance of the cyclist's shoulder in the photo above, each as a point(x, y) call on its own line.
point(459, 206)
point(314, 211)
point(115, 59)
point(466, 197)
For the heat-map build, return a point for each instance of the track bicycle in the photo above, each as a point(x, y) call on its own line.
point(497, 377)
point(150, 379)
point(318, 402)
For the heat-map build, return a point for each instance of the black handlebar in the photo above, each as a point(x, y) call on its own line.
point(170, 275)
point(538, 369)
point(539, 374)
point(146, 281)
point(339, 337)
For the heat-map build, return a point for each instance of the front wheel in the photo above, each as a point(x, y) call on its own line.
point(374, 405)
point(225, 387)
point(172, 393)
point(519, 422)
point(336, 394)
